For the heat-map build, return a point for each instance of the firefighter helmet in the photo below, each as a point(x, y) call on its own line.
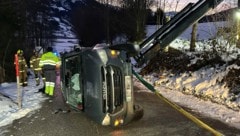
point(19, 52)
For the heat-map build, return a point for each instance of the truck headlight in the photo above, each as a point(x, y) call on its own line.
point(114, 53)
point(117, 122)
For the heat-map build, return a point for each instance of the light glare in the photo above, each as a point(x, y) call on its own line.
point(238, 14)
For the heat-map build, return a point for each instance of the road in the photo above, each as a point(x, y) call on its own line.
point(159, 120)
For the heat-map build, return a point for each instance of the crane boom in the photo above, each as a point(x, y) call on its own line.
point(172, 29)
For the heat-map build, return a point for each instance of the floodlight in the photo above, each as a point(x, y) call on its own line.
point(238, 14)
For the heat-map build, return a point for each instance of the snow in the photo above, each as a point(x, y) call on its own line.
point(66, 39)
point(59, 8)
point(205, 30)
point(65, 44)
point(31, 101)
point(203, 81)
point(203, 107)
point(200, 89)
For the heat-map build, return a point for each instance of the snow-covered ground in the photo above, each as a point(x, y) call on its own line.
point(204, 82)
point(205, 30)
point(183, 88)
point(10, 111)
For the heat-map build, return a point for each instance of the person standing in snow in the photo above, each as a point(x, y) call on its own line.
point(34, 65)
point(49, 63)
point(22, 68)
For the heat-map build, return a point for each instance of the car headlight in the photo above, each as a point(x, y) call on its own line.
point(114, 53)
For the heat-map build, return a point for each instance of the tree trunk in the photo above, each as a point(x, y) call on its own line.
point(193, 37)
point(238, 28)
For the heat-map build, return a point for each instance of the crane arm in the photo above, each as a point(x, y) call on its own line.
point(172, 29)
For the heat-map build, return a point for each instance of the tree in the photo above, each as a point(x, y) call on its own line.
point(9, 29)
point(89, 24)
point(238, 27)
point(193, 37)
point(135, 11)
point(22, 23)
point(161, 19)
point(94, 22)
point(40, 26)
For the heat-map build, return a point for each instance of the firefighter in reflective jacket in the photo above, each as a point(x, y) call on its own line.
point(22, 68)
point(49, 62)
point(34, 65)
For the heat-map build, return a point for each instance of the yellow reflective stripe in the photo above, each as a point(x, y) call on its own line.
point(51, 84)
point(48, 62)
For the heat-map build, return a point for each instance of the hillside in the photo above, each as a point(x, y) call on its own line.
point(209, 75)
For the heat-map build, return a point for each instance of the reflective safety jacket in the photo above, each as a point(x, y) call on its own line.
point(22, 68)
point(22, 64)
point(49, 61)
point(34, 63)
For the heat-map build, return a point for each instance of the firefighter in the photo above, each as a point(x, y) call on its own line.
point(49, 63)
point(34, 65)
point(22, 68)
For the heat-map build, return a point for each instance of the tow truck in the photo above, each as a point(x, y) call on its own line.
point(99, 80)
